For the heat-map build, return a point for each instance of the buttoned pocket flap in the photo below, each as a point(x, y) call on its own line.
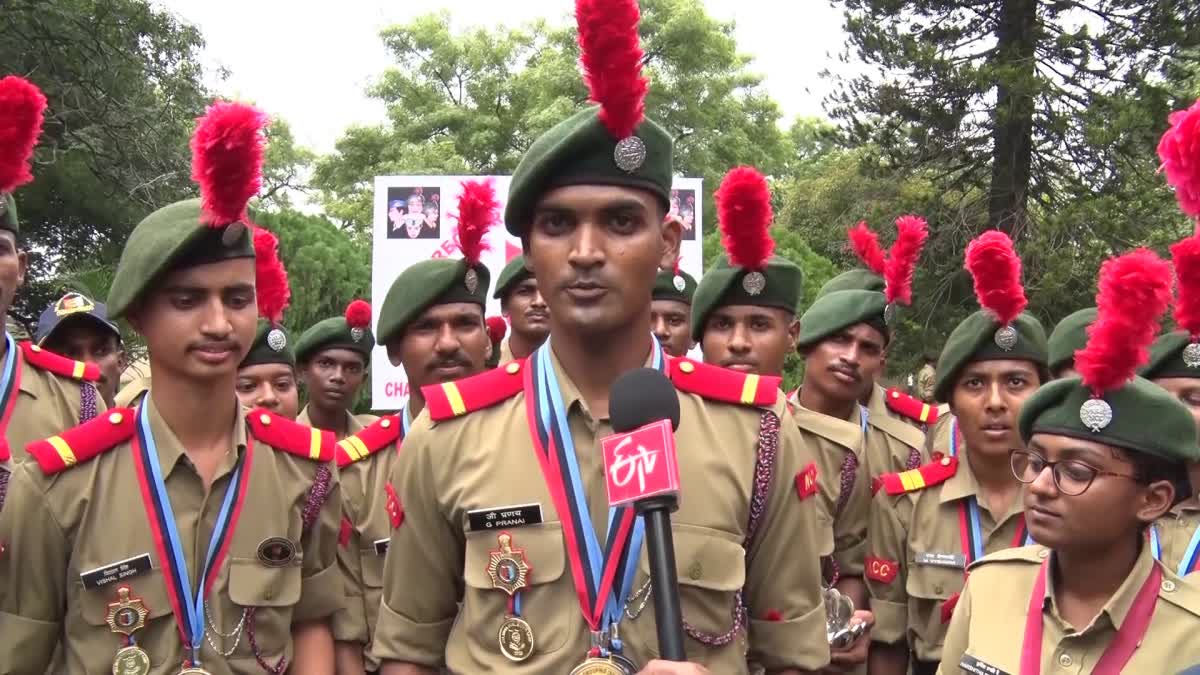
point(706, 558)
point(540, 547)
point(145, 591)
point(253, 584)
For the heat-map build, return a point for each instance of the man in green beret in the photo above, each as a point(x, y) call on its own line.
point(589, 202)
point(267, 376)
point(526, 310)
point(333, 356)
point(1068, 337)
point(671, 310)
point(151, 492)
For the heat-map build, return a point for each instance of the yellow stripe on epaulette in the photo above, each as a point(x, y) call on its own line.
point(912, 480)
point(354, 447)
point(454, 397)
point(64, 450)
point(749, 389)
point(314, 444)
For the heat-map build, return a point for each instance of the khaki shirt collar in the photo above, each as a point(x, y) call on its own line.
point(170, 449)
point(353, 426)
point(571, 397)
point(1118, 606)
point(26, 386)
point(963, 484)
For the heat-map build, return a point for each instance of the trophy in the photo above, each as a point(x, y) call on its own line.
point(839, 609)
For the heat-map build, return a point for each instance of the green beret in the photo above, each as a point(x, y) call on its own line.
point(430, 282)
point(670, 285)
point(8, 214)
point(853, 280)
point(726, 285)
point(172, 238)
point(271, 345)
point(334, 333)
point(580, 151)
point(975, 340)
point(1068, 337)
point(1055, 409)
point(839, 310)
point(512, 274)
point(1166, 357)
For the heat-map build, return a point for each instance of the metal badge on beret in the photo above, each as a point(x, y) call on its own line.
point(276, 340)
point(471, 280)
point(754, 283)
point(233, 232)
point(889, 314)
point(357, 334)
point(1095, 413)
point(1006, 338)
point(679, 283)
point(630, 154)
point(1191, 355)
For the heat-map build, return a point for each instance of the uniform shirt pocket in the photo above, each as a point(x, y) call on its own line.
point(929, 587)
point(159, 637)
point(269, 593)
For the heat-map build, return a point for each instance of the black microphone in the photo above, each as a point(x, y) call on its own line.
point(640, 397)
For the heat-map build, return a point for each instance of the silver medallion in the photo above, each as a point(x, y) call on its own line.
point(276, 340)
point(754, 283)
point(232, 233)
point(471, 280)
point(679, 283)
point(630, 154)
point(1095, 413)
point(839, 610)
point(357, 334)
point(1191, 355)
point(1006, 338)
point(889, 314)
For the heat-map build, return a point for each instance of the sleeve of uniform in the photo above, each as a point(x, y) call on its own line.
point(884, 569)
point(415, 617)
point(34, 555)
point(783, 577)
point(350, 623)
point(957, 635)
point(321, 593)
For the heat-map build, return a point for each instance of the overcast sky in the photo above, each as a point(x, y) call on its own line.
point(310, 62)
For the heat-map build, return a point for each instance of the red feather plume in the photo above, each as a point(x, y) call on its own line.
point(497, 328)
point(994, 264)
point(358, 314)
point(1186, 255)
point(227, 160)
point(1134, 291)
point(865, 243)
point(612, 62)
point(911, 233)
point(478, 210)
point(22, 106)
point(1179, 150)
point(270, 277)
point(744, 211)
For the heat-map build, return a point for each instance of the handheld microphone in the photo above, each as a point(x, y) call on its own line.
point(641, 467)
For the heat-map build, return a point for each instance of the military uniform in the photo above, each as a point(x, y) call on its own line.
point(1172, 538)
point(895, 431)
point(51, 590)
point(471, 452)
point(132, 393)
point(354, 423)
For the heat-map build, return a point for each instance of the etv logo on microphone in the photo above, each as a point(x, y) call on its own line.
point(640, 463)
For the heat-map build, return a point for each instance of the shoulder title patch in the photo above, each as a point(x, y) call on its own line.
point(454, 399)
point(291, 437)
point(720, 384)
point(382, 433)
point(81, 443)
point(59, 365)
point(921, 477)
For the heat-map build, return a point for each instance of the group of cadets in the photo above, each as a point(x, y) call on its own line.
point(199, 521)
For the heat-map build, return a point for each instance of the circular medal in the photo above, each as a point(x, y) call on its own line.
point(603, 666)
point(754, 283)
point(276, 340)
point(131, 660)
point(1191, 355)
point(1095, 413)
point(629, 154)
point(516, 639)
point(194, 671)
point(1006, 338)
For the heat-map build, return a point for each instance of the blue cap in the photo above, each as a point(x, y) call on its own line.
point(68, 306)
point(396, 204)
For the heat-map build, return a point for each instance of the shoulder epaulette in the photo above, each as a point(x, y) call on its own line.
point(920, 477)
point(1033, 553)
point(382, 433)
point(59, 365)
point(81, 443)
point(720, 384)
point(910, 407)
point(291, 437)
point(454, 399)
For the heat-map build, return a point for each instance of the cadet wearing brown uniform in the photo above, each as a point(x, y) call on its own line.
point(234, 570)
point(928, 523)
point(333, 356)
point(266, 377)
point(526, 309)
point(432, 324)
point(671, 310)
point(1091, 598)
point(589, 200)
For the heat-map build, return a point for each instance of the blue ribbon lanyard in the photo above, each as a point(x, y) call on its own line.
point(405, 420)
point(1189, 558)
point(10, 367)
point(1156, 544)
point(863, 416)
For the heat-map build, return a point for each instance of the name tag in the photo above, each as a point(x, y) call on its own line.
point(955, 560)
point(970, 664)
point(504, 517)
point(381, 546)
point(117, 571)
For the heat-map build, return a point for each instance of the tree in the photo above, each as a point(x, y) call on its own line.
point(472, 102)
point(285, 167)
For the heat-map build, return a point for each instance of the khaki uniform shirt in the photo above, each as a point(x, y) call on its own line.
point(989, 621)
point(354, 423)
point(918, 534)
point(1175, 531)
point(90, 516)
point(894, 442)
point(486, 460)
point(132, 393)
point(505, 352)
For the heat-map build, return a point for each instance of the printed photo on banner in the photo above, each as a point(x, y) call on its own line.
point(683, 205)
point(414, 212)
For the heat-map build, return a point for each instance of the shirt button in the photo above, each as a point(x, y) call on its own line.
point(385, 423)
point(695, 571)
point(937, 589)
point(1168, 586)
point(269, 593)
point(1043, 553)
point(1065, 660)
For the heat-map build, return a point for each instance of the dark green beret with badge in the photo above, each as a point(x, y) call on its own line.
point(22, 110)
point(674, 284)
point(840, 310)
point(1068, 337)
point(271, 345)
point(444, 280)
point(1173, 354)
point(1177, 353)
point(852, 280)
point(513, 273)
point(350, 331)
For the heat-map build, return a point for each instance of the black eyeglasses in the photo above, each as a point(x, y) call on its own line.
point(1071, 476)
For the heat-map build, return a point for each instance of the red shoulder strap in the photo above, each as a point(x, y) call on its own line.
point(921, 477)
point(455, 399)
point(59, 365)
point(720, 384)
point(291, 437)
point(82, 443)
point(912, 408)
point(382, 433)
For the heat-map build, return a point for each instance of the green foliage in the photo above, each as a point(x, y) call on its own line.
point(285, 167)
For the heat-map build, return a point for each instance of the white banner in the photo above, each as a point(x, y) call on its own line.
point(414, 220)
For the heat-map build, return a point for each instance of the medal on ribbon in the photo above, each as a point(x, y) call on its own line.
point(126, 616)
point(509, 571)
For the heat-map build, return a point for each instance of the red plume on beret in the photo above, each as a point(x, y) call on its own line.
point(744, 211)
point(612, 62)
point(1134, 291)
point(22, 106)
point(911, 233)
point(358, 314)
point(994, 264)
point(478, 210)
point(227, 160)
point(497, 328)
point(865, 243)
point(270, 278)
point(1179, 150)
point(1186, 256)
